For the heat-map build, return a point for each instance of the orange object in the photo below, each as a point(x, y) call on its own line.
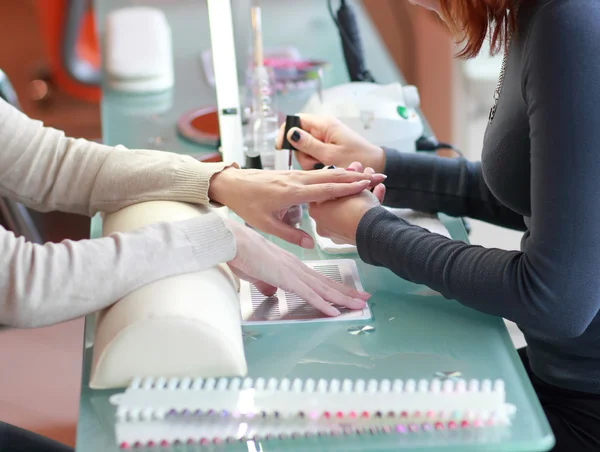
point(212, 157)
point(200, 126)
point(207, 123)
point(52, 16)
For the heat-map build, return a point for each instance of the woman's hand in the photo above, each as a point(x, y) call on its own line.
point(269, 267)
point(262, 198)
point(338, 219)
point(328, 141)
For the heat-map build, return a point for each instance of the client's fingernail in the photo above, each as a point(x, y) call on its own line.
point(332, 311)
point(295, 136)
point(364, 183)
point(358, 304)
point(307, 243)
point(318, 166)
point(365, 295)
point(379, 176)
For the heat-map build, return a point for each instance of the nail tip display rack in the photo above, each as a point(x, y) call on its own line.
point(163, 412)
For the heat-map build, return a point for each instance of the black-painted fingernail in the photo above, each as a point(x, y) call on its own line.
point(295, 136)
point(318, 166)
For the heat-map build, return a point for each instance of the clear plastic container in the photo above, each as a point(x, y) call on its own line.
point(264, 119)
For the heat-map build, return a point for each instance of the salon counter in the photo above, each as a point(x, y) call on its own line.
point(416, 333)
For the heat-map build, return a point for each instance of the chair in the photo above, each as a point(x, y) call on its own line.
point(15, 216)
point(71, 45)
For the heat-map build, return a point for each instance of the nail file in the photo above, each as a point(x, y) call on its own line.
point(426, 221)
point(157, 411)
point(138, 51)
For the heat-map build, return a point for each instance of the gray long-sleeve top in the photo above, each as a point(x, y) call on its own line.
point(539, 172)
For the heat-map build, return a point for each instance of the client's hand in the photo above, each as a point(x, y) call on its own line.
point(338, 219)
point(269, 267)
point(262, 198)
point(328, 141)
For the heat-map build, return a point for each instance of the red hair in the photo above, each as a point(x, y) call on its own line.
point(471, 21)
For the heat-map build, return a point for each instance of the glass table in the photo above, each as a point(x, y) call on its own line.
point(416, 332)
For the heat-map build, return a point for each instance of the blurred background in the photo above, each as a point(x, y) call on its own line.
point(455, 95)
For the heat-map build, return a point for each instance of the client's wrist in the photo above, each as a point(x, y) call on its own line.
point(221, 184)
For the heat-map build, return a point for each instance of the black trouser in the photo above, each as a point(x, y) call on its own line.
point(574, 416)
point(15, 439)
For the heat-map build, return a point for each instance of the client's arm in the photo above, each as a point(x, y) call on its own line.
point(45, 284)
point(44, 170)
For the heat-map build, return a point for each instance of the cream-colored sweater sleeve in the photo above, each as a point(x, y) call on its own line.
point(45, 284)
point(41, 168)
point(44, 170)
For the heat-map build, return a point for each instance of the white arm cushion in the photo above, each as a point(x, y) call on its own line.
point(187, 325)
